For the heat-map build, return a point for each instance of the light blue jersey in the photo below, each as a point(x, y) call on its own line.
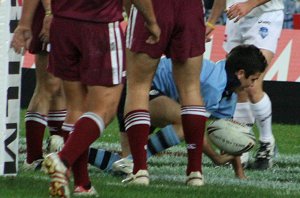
point(213, 81)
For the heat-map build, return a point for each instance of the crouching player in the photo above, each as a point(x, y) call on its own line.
point(219, 84)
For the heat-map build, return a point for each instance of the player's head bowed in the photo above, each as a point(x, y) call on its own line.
point(248, 58)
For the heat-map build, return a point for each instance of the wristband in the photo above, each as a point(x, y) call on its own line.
point(48, 13)
point(212, 26)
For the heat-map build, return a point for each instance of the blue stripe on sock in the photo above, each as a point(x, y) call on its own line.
point(114, 157)
point(170, 137)
point(156, 144)
point(99, 157)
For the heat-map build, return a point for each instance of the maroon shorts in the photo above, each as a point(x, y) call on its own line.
point(92, 53)
point(182, 30)
point(36, 45)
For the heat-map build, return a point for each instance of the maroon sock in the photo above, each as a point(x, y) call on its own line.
point(80, 170)
point(55, 121)
point(86, 130)
point(35, 125)
point(193, 123)
point(65, 131)
point(137, 124)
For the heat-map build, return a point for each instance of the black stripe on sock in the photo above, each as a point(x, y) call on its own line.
point(151, 148)
point(162, 140)
point(92, 155)
point(105, 160)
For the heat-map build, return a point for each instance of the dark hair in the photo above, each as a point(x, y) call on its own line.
point(246, 57)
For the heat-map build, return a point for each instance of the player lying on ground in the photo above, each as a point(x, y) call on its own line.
point(219, 84)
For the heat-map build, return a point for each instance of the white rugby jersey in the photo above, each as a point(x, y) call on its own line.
point(272, 5)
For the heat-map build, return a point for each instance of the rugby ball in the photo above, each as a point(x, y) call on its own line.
point(230, 136)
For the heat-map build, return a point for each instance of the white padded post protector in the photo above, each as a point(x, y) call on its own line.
point(10, 79)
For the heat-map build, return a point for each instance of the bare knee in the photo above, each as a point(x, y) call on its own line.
point(104, 101)
point(49, 87)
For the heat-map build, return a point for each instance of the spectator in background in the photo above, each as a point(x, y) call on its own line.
point(290, 9)
point(297, 14)
point(208, 4)
point(298, 6)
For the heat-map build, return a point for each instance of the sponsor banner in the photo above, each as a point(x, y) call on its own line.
point(9, 89)
point(285, 65)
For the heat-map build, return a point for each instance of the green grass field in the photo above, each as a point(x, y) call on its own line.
point(167, 174)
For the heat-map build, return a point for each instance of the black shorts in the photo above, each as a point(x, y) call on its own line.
point(153, 93)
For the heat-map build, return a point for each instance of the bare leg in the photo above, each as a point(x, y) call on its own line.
point(193, 113)
point(47, 86)
point(140, 72)
point(261, 108)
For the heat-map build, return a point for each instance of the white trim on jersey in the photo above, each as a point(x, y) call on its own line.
point(130, 27)
point(119, 50)
point(113, 53)
point(116, 51)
